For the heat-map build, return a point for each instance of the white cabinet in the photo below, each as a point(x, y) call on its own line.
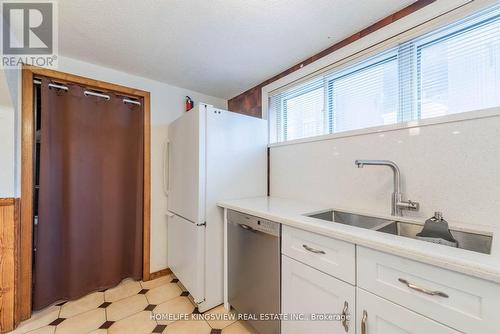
point(331, 256)
point(382, 293)
point(308, 291)
point(466, 303)
point(376, 315)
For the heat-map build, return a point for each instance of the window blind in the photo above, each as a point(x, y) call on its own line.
point(300, 111)
point(453, 69)
point(364, 97)
point(460, 71)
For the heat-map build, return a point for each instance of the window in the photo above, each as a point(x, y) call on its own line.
point(300, 112)
point(451, 70)
point(365, 96)
point(460, 71)
point(303, 113)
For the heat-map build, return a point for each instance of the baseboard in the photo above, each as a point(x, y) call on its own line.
point(160, 273)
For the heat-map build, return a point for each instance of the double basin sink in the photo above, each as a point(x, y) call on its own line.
point(475, 242)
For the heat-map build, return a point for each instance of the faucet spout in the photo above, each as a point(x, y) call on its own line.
point(388, 163)
point(397, 204)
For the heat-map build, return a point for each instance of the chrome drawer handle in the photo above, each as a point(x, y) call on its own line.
point(423, 290)
point(363, 322)
point(312, 250)
point(345, 313)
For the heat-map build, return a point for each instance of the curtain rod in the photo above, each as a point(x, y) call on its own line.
point(128, 100)
point(58, 86)
point(125, 100)
point(91, 93)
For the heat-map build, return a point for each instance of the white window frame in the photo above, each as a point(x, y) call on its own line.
point(426, 20)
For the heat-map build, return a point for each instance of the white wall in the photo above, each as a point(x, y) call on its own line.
point(6, 151)
point(7, 135)
point(167, 103)
point(10, 126)
point(7, 121)
point(452, 167)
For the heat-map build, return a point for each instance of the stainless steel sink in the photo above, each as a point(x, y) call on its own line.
point(475, 242)
point(352, 219)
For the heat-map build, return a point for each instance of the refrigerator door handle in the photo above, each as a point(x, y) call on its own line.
point(166, 163)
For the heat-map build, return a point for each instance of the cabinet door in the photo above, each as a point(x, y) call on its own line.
point(306, 291)
point(376, 315)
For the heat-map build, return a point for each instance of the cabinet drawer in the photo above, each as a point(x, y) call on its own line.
point(307, 291)
point(331, 256)
point(462, 302)
point(379, 316)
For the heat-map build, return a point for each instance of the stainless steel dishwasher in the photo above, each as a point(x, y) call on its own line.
point(254, 268)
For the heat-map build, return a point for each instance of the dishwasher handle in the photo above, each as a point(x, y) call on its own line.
point(247, 228)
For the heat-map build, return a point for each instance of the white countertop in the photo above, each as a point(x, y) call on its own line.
point(292, 213)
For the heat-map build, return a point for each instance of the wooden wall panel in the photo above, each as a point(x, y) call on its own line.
point(9, 235)
point(250, 102)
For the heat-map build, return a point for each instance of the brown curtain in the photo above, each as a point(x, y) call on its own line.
point(89, 235)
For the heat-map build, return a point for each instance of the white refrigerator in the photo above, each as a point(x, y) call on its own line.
point(212, 154)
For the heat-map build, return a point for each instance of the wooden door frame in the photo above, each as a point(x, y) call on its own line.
point(24, 288)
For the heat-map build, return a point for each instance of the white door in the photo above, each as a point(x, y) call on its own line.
point(186, 247)
point(376, 315)
point(186, 165)
point(305, 290)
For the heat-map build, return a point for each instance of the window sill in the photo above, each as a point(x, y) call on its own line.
point(459, 117)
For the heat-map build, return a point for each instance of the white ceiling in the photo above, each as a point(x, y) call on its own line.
point(217, 47)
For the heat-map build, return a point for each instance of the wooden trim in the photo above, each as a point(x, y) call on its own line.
point(250, 101)
point(147, 190)
point(17, 254)
point(23, 290)
point(102, 85)
point(8, 259)
point(7, 201)
point(160, 273)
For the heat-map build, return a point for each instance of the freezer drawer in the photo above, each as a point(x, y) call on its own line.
point(186, 245)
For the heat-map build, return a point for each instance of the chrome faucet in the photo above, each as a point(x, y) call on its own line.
point(397, 204)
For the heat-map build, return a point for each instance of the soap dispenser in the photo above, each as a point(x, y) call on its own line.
point(436, 230)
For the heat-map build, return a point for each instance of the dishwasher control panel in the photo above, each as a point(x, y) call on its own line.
point(253, 223)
